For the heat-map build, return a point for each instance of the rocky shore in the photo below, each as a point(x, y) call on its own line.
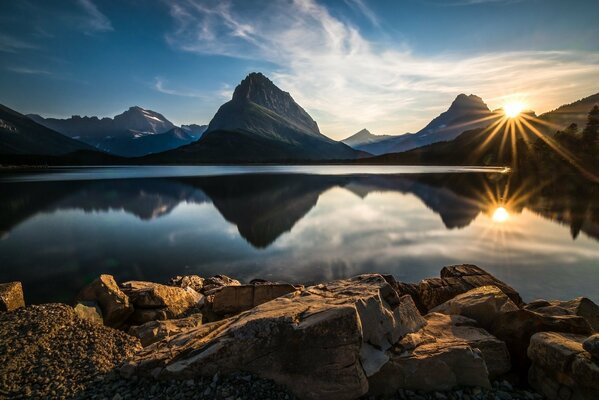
point(463, 336)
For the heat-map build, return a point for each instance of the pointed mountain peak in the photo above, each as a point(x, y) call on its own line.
point(259, 90)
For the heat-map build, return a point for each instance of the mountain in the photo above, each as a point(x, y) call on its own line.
point(21, 135)
point(563, 116)
point(135, 132)
point(260, 123)
point(362, 138)
point(465, 113)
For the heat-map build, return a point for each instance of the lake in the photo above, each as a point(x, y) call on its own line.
point(61, 227)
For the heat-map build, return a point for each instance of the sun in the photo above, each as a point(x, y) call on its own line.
point(513, 109)
point(500, 215)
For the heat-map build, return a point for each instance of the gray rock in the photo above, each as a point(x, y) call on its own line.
point(89, 310)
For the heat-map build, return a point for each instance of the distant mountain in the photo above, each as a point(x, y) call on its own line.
point(364, 137)
point(465, 113)
point(260, 123)
point(21, 135)
point(563, 116)
point(135, 132)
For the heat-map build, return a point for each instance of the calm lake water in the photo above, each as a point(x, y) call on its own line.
point(62, 227)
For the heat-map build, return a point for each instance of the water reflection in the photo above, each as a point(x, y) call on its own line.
point(300, 227)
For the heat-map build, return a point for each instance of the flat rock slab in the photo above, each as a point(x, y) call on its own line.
point(11, 296)
point(235, 299)
point(48, 352)
point(561, 368)
point(155, 331)
point(314, 341)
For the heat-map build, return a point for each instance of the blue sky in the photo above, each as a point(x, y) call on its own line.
point(386, 66)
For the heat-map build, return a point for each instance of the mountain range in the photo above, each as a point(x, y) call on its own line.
point(135, 132)
point(261, 123)
point(464, 113)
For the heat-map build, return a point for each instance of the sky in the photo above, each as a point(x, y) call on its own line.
point(388, 66)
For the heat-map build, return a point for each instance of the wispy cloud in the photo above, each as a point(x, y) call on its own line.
point(160, 86)
point(348, 82)
point(28, 71)
point(10, 44)
point(361, 7)
point(96, 21)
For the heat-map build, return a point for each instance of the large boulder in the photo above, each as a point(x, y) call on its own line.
point(235, 299)
point(482, 304)
point(154, 331)
point(153, 301)
point(581, 306)
point(449, 351)
point(561, 368)
point(321, 342)
point(457, 279)
point(114, 304)
point(11, 296)
point(516, 328)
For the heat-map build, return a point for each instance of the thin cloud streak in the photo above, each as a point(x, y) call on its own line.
point(28, 71)
point(347, 82)
point(97, 22)
point(11, 44)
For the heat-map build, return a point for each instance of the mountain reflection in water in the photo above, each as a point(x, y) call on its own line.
point(54, 248)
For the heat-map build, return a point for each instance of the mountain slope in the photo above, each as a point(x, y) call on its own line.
point(20, 135)
point(260, 123)
point(362, 138)
point(576, 112)
point(133, 133)
point(465, 113)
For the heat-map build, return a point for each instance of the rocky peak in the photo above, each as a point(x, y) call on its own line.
point(463, 101)
point(139, 119)
point(257, 88)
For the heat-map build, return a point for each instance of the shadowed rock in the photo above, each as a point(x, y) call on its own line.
point(114, 304)
point(11, 296)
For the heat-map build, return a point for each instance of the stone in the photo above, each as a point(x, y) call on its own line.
point(591, 344)
point(114, 304)
point(457, 279)
point(11, 296)
point(561, 368)
point(476, 277)
point(482, 304)
point(154, 331)
point(516, 328)
point(430, 367)
point(89, 310)
point(315, 341)
point(581, 306)
point(459, 352)
point(193, 281)
point(457, 329)
point(235, 299)
point(153, 301)
point(218, 281)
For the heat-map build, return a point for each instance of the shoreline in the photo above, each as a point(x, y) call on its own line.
point(368, 336)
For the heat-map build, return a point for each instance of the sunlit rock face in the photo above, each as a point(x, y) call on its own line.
point(331, 336)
